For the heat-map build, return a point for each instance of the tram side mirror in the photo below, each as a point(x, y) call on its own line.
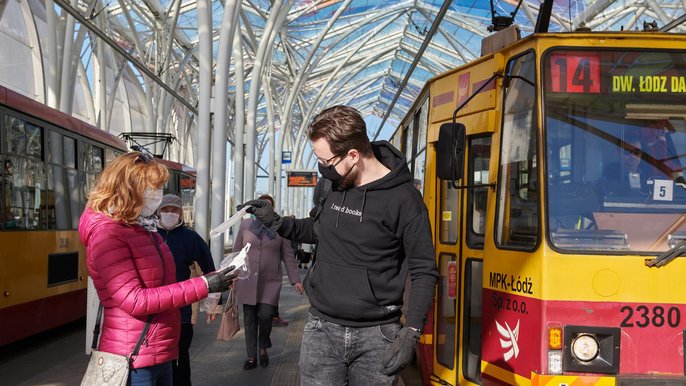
point(450, 151)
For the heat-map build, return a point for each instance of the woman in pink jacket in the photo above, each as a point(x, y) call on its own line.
point(133, 269)
point(259, 293)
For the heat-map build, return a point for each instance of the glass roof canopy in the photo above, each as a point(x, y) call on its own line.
point(358, 57)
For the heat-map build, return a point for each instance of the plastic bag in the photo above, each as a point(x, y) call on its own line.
point(239, 260)
point(210, 303)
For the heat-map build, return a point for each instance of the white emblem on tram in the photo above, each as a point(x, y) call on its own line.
point(509, 338)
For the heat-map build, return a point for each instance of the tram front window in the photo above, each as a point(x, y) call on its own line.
point(615, 134)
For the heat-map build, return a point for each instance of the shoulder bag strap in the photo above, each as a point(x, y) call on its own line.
point(96, 332)
point(96, 328)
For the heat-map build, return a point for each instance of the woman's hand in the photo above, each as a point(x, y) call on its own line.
point(211, 318)
point(299, 288)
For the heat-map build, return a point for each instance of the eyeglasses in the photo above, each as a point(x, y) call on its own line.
point(327, 162)
point(143, 157)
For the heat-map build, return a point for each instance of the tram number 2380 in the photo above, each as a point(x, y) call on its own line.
point(643, 316)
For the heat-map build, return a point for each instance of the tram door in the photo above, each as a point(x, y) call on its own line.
point(459, 247)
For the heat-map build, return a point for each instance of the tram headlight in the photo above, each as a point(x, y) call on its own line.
point(555, 362)
point(585, 348)
point(591, 349)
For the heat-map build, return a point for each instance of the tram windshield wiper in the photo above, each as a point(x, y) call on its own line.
point(666, 257)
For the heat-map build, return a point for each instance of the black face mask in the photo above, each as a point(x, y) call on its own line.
point(330, 173)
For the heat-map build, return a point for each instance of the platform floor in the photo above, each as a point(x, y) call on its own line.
point(58, 358)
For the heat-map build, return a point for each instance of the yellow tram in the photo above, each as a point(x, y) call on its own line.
point(552, 169)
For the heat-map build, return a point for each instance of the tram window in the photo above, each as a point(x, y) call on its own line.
point(423, 124)
point(407, 141)
point(479, 157)
point(420, 157)
point(615, 158)
point(450, 202)
point(110, 155)
point(89, 185)
point(419, 170)
point(446, 311)
point(33, 140)
point(172, 186)
point(518, 200)
point(16, 135)
point(69, 152)
point(76, 205)
point(60, 156)
point(23, 138)
point(57, 198)
point(472, 320)
point(24, 179)
point(8, 221)
point(53, 145)
point(574, 164)
point(91, 158)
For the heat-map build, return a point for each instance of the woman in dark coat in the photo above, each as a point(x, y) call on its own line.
point(259, 293)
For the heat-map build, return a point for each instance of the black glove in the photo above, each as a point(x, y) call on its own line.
point(264, 212)
point(220, 281)
point(400, 353)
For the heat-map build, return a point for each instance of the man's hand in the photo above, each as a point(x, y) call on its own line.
point(399, 354)
point(220, 281)
point(264, 212)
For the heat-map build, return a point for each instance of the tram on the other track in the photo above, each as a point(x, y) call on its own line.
point(51, 161)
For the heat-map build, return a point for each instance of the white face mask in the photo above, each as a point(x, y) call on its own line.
point(169, 220)
point(152, 198)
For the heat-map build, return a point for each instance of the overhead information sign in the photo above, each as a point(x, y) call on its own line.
point(302, 178)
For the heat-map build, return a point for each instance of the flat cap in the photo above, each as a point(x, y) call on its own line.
point(171, 200)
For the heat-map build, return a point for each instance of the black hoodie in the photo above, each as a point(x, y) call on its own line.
point(365, 234)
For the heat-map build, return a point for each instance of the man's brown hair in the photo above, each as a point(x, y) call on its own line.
point(343, 128)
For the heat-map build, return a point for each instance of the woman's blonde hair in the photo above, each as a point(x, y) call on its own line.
point(118, 193)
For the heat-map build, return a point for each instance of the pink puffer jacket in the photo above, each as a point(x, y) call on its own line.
point(132, 283)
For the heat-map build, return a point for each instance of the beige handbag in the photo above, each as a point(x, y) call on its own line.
point(106, 368)
point(229, 325)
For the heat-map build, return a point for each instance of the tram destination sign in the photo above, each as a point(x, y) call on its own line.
point(613, 72)
point(302, 178)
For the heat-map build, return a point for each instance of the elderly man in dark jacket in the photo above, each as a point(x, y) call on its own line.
point(187, 247)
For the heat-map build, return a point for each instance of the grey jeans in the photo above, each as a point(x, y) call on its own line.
point(333, 355)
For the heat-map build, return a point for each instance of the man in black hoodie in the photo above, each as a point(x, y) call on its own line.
point(371, 226)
